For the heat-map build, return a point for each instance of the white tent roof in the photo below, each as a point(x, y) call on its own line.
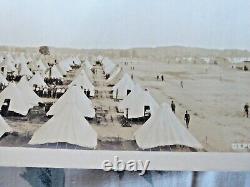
point(55, 73)
point(37, 80)
point(40, 65)
point(162, 129)
point(76, 60)
point(74, 96)
point(61, 69)
point(31, 97)
point(114, 75)
point(136, 101)
point(87, 72)
point(108, 66)
point(68, 126)
point(24, 70)
point(65, 64)
point(83, 81)
point(8, 65)
point(120, 89)
point(88, 64)
point(4, 127)
point(18, 102)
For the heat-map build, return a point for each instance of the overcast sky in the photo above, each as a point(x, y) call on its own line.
point(125, 23)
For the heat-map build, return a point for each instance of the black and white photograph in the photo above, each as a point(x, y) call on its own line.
point(123, 75)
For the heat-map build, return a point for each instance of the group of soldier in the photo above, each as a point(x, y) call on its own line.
point(55, 81)
point(49, 92)
point(11, 77)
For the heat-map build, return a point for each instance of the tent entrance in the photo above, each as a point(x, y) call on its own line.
point(5, 107)
point(146, 111)
point(128, 92)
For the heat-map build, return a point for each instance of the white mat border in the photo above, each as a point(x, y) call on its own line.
point(92, 159)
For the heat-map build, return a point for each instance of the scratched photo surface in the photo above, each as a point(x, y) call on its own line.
point(161, 75)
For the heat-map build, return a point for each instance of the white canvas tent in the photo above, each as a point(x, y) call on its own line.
point(37, 80)
point(88, 64)
point(4, 127)
point(108, 65)
point(55, 73)
point(28, 94)
point(134, 104)
point(163, 129)
point(40, 65)
point(83, 81)
point(24, 70)
point(116, 74)
point(74, 96)
point(18, 102)
point(76, 60)
point(8, 66)
point(123, 87)
point(68, 126)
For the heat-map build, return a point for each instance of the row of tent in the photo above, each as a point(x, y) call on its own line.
point(46, 67)
point(162, 128)
point(68, 123)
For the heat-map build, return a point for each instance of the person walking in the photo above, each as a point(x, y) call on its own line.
point(187, 118)
point(246, 107)
point(182, 84)
point(173, 106)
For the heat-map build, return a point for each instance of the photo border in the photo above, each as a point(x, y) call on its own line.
point(93, 159)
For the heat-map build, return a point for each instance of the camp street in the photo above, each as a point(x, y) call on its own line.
point(130, 165)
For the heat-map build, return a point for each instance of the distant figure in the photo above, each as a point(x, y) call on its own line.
point(162, 78)
point(157, 77)
point(187, 118)
point(182, 84)
point(246, 107)
point(173, 106)
point(88, 93)
point(132, 76)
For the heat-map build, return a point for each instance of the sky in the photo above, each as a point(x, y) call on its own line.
point(220, 24)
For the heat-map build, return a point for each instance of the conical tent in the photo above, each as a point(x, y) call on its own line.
point(163, 128)
point(24, 70)
point(88, 64)
point(68, 126)
point(37, 80)
point(55, 73)
point(123, 87)
point(74, 96)
point(83, 81)
point(28, 94)
point(134, 104)
point(40, 65)
point(115, 75)
point(86, 71)
point(8, 66)
point(18, 102)
point(61, 70)
point(108, 65)
point(65, 64)
point(4, 127)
